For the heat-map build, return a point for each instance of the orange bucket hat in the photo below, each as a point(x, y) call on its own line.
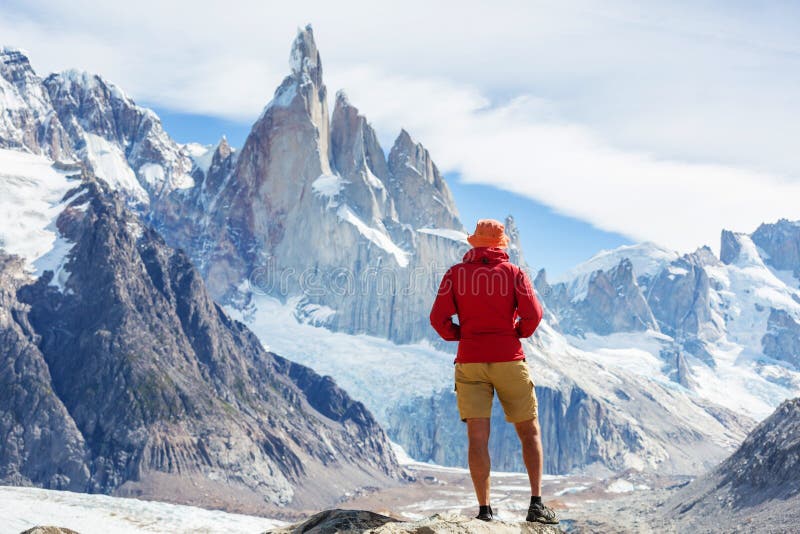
point(489, 233)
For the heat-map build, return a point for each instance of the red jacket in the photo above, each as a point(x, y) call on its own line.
point(495, 304)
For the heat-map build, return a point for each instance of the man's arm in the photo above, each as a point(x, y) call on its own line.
point(528, 307)
point(444, 307)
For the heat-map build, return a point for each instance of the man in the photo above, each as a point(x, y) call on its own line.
point(496, 306)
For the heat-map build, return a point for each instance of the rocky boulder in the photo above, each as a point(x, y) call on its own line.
point(356, 521)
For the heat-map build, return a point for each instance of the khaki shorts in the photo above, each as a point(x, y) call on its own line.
point(477, 382)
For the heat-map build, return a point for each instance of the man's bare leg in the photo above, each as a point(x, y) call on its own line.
point(531, 439)
point(479, 461)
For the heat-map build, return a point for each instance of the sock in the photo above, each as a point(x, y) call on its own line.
point(485, 510)
point(536, 499)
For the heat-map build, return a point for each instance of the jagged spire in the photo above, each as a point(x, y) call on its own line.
point(223, 150)
point(342, 99)
point(305, 58)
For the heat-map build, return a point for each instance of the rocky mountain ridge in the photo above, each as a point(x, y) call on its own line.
point(144, 387)
point(756, 488)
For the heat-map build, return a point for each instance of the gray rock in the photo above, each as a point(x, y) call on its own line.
point(729, 247)
point(679, 298)
point(359, 159)
point(315, 210)
point(421, 195)
point(49, 530)
point(781, 242)
point(353, 521)
point(613, 302)
point(782, 339)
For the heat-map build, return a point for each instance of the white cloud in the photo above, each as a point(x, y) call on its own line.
point(523, 147)
point(665, 124)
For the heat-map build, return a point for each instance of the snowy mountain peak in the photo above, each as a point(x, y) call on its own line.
point(647, 259)
point(27, 120)
point(74, 81)
point(14, 60)
point(305, 58)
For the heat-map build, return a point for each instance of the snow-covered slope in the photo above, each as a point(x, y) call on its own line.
point(23, 508)
point(32, 195)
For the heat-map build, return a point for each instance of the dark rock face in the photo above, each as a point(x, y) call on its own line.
point(332, 521)
point(769, 459)
point(781, 241)
point(613, 302)
point(679, 297)
point(757, 483)
point(782, 340)
point(729, 247)
point(162, 388)
point(355, 521)
point(40, 442)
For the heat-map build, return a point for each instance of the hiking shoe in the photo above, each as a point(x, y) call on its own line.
point(542, 514)
point(485, 513)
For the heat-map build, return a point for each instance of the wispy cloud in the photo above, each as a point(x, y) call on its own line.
point(522, 146)
point(663, 124)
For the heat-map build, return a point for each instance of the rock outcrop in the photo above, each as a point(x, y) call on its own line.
point(49, 530)
point(781, 242)
point(40, 441)
point(782, 338)
point(356, 521)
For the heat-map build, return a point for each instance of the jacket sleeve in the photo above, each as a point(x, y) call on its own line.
point(528, 308)
point(444, 307)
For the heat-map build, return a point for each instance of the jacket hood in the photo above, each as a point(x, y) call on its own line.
point(485, 255)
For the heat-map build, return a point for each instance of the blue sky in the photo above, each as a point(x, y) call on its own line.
point(601, 123)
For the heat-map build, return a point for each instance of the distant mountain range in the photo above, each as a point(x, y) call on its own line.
point(330, 250)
